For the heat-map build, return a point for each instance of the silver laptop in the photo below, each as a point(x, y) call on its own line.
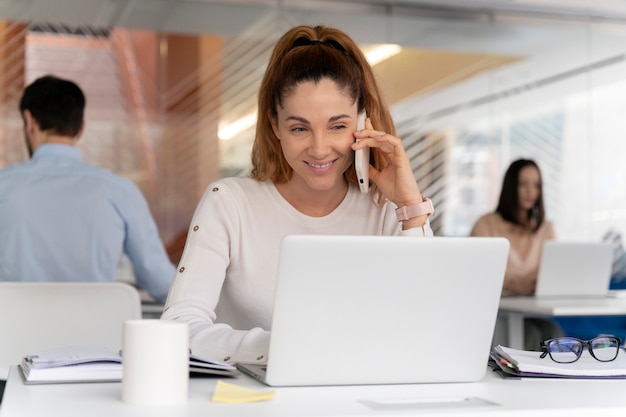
point(574, 269)
point(383, 310)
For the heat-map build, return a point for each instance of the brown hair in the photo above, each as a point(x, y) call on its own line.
point(307, 53)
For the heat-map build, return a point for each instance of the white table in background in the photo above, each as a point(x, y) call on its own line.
point(497, 397)
point(515, 309)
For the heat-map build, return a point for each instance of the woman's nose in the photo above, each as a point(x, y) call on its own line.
point(320, 145)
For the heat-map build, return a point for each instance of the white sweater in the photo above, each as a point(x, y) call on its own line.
point(224, 285)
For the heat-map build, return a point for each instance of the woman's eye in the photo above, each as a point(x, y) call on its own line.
point(298, 129)
point(339, 127)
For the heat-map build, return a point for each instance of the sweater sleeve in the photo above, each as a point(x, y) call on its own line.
point(198, 284)
point(424, 231)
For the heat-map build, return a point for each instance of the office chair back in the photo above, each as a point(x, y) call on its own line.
point(36, 316)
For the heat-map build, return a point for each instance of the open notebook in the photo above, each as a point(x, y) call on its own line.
point(383, 310)
point(574, 269)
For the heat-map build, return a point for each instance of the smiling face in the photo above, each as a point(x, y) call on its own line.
point(528, 187)
point(315, 127)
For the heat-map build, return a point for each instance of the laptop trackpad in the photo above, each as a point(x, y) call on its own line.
point(425, 403)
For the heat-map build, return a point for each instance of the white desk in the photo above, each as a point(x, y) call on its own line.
point(510, 397)
point(515, 309)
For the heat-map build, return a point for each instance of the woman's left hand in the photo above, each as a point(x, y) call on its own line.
point(396, 181)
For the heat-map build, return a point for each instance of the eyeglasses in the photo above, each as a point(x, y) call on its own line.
point(569, 349)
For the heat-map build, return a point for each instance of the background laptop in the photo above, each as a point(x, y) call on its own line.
point(573, 269)
point(381, 309)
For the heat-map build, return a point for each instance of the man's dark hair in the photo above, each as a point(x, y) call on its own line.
point(56, 104)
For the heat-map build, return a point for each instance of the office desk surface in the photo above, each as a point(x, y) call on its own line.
point(515, 309)
point(552, 307)
point(508, 397)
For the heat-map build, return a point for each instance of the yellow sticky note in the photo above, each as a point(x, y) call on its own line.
point(229, 393)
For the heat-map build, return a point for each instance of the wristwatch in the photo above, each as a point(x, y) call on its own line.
point(416, 210)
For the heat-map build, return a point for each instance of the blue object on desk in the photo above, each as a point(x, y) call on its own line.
point(587, 327)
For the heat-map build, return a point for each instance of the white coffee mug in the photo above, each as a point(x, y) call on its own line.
point(155, 362)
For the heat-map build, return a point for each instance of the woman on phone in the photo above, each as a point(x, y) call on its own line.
point(302, 181)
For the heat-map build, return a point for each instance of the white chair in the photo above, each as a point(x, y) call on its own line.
point(37, 315)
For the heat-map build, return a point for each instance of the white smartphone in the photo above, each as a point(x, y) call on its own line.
point(362, 159)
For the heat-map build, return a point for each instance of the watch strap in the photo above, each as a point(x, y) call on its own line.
point(415, 210)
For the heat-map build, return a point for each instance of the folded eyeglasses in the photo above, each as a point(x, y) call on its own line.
point(570, 349)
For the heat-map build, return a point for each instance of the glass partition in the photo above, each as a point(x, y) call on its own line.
point(469, 93)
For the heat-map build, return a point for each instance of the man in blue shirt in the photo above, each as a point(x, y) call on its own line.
point(64, 220)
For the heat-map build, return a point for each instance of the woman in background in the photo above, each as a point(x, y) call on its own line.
point(519, 217)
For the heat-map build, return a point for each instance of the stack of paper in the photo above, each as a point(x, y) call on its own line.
point(72, 364)
point(529, 363)
point(198, 365)
point(97, 364)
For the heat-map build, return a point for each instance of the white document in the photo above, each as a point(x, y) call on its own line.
point(586, 366)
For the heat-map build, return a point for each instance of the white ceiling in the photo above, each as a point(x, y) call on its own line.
point(364, 19)
point(554, 36)
point(513, 27)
